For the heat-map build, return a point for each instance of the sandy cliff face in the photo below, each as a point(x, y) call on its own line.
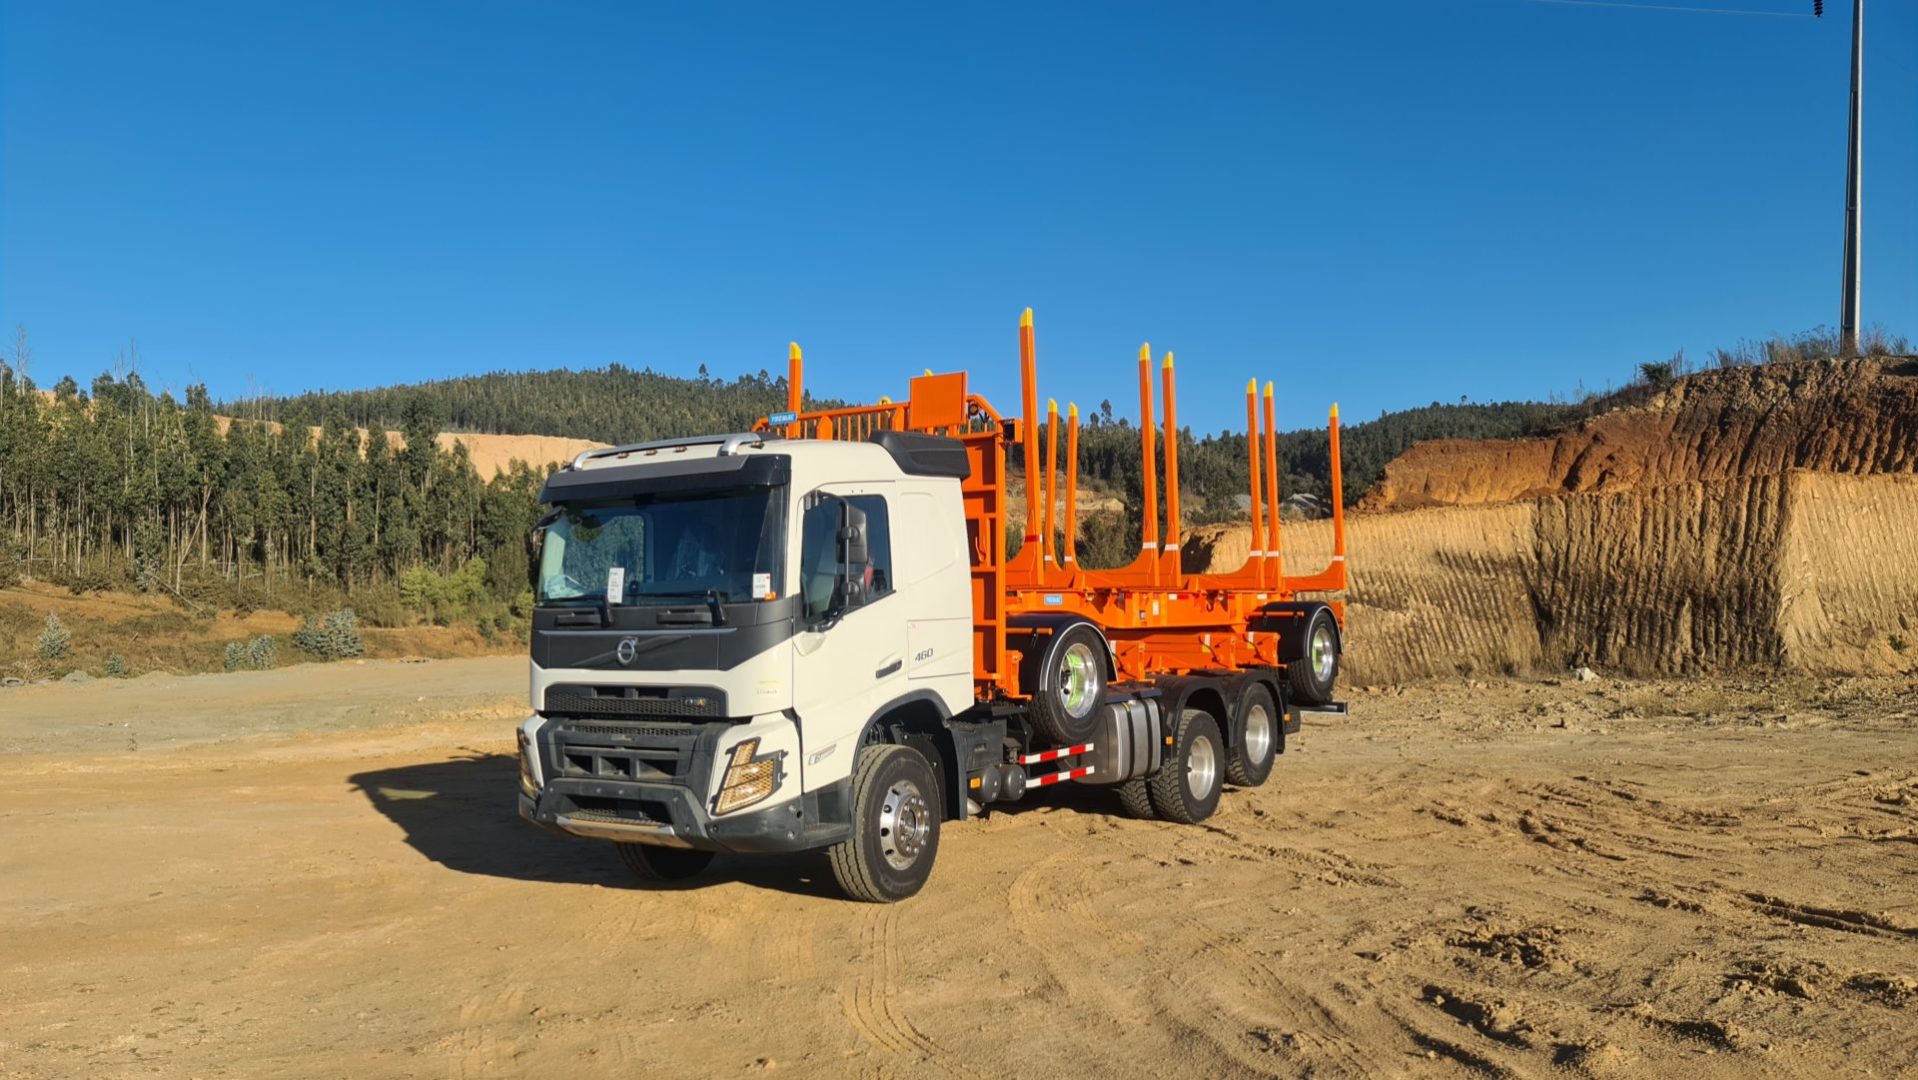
point(1837, 416)
point(1747, 518)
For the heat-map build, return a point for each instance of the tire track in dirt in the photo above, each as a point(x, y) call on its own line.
point(873, 1006)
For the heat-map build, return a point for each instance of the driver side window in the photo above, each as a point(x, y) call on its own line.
point(819, 580)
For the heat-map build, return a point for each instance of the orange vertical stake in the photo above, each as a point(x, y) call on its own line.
point(1171, 473)
point(795, 397)
point(1052, 478)
point(1148, 432)
point(1338, 498)
point(1255, 557)
point(1072, 484)
point(1029, 392)
point(1273, 557)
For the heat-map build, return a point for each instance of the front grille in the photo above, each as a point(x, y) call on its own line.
point(650, 731)
point(605, 702)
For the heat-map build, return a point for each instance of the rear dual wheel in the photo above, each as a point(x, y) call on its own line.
point(1186, 788)
point(1249, 761)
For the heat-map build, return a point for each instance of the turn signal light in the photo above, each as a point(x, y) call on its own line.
point(749, 778)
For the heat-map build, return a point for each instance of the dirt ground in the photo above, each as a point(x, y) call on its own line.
point(318, 871)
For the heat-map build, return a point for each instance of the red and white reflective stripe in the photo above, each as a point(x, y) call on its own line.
point(1054, 755)
point(1053, 778)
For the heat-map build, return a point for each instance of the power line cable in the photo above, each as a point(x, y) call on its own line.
point(1671, 7)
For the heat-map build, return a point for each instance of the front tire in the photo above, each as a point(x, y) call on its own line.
point(663, 864)
point(1249, 761)
point(1186, 788)
point(895, 826)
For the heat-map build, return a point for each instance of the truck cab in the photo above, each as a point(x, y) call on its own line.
point(720, 622)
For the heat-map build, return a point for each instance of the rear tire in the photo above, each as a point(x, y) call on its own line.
point(1250, 759)
point(1311, 676)
point(1071, 685)
point(895, 826)
point(661, 864)
point(1135, 800)
point(1186, 788)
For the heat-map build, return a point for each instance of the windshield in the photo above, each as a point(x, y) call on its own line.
point(672, 547)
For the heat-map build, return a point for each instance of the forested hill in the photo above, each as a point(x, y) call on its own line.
point(613, 404)
point(616, 404)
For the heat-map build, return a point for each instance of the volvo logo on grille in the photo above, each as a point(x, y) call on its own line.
point(628, 649)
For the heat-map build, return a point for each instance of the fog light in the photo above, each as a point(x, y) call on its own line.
point(749, 779)
point(526, 784)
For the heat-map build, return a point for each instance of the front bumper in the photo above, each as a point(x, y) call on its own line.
point(659, 794)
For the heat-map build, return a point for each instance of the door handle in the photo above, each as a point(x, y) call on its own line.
point(888, 669)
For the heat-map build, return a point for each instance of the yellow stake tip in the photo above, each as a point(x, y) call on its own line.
point(792, 349)
point(1052, 405)
point(928, 371)
point(1335, 410)
point(1145, 353)
point(1268, 388)
point(1251, 386)
point(1025, 320)
point(1168, 358)
point(1072, 410)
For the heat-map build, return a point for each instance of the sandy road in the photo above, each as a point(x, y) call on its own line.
point(1512, 879)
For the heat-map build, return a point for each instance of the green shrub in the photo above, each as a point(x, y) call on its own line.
point(54, 638)
point(236, 656)
point(263, 652)
point(116, 666)
point(334, 637)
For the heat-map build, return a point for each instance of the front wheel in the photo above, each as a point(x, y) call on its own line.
point(895, 826)
point(1186, 787)
point(651, 863)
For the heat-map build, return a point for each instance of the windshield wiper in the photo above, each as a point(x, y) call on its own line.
point(713, 597)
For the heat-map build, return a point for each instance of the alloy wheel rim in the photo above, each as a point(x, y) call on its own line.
point(1258, 734)
point(1078, 679)
point(1201, 767)
point(904, 824)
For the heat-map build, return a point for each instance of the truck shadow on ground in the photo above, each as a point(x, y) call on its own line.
point(462, 815)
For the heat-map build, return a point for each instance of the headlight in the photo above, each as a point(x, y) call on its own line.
point(526, 782)
point(749, 779)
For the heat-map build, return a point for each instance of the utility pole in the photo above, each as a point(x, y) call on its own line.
point(1854, 187)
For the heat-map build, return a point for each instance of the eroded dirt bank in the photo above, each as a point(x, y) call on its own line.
point(1852, 417)
point(1512, 878)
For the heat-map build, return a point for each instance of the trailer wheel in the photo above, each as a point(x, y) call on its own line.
point(1249, 761)
point(1186, 788)
point(895, 826)
point(1311, 676)
point(1135, 800)
point(1071, 687)
point(651, 863)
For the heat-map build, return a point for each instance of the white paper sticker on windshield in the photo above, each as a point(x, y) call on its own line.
point(762, 584)
point(615, 584)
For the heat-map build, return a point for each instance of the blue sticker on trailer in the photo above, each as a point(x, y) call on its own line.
point(782, 418)
point(1054, 599)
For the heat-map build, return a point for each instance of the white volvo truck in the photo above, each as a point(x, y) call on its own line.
point(750, 643)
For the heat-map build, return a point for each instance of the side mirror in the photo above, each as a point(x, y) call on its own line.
point(852, 536)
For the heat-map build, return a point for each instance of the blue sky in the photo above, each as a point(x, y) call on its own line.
point(1384, 203)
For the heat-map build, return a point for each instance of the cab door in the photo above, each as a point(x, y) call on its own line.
point(850, 648)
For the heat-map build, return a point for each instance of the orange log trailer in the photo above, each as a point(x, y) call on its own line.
point(1157, 619)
